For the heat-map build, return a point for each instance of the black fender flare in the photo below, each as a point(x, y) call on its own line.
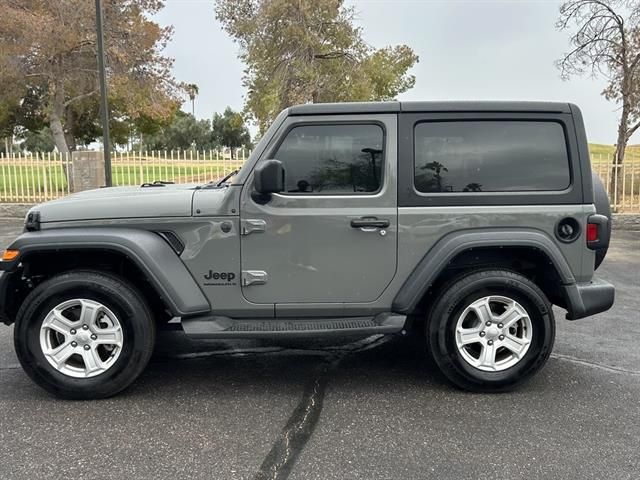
point(445, 250)
point(147, 250)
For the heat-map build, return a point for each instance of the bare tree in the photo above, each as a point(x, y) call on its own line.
point(607, 43)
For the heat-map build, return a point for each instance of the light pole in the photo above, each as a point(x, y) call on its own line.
point(104, 105)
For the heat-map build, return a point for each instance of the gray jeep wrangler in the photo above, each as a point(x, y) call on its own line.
point(464, 222)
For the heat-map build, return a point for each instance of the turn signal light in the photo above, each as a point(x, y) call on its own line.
point(592, 232)
point(9, 255)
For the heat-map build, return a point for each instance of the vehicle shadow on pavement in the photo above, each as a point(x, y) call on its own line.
point(396, 359)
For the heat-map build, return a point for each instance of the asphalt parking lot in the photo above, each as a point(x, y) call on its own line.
point(373, 409)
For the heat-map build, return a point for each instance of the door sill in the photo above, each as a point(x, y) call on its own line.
point(212, 327)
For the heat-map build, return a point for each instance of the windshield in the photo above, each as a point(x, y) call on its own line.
point(260, 147)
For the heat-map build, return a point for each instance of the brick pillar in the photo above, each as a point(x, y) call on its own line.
point(87, 171)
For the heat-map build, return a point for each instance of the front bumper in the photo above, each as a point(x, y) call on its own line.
point(586, 299)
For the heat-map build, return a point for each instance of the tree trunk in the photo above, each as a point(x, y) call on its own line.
point(59, 138)
point(58, 132)
point(616, 191)
point(56, 113)
point(69, 123)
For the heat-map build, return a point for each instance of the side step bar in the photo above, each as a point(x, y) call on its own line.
point(225, 327)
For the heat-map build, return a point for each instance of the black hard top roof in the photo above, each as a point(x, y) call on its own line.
point(435, 106)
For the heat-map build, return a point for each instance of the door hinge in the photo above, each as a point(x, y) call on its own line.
point(251, 225)
point(253, 277)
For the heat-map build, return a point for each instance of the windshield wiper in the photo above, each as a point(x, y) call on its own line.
point(157, 183)
point(235, 172)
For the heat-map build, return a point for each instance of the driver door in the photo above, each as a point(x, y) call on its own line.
point(330, 237)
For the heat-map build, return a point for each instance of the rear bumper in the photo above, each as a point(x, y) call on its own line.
point(586, 299)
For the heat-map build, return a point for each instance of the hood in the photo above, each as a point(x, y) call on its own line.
point(120, 202)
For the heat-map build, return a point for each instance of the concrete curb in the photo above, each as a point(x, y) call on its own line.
point(626, 221)
point(14, 210)
point(621, 221)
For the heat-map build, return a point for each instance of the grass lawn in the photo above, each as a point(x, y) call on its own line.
point(604, 153)
point(136, 174)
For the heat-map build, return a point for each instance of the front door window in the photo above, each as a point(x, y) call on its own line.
point(332, 159)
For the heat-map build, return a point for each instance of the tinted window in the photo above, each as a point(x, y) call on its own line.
point(332, 159)
point(490, 156)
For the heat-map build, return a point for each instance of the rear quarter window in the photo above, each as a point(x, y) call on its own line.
point(490, 156)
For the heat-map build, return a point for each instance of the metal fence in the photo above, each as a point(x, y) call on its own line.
point(624, 191)
point(33, 178)
point(136, 168)
point(37, 177)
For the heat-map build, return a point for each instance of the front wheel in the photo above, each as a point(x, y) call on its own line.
point(490, 331)
point(84, 335)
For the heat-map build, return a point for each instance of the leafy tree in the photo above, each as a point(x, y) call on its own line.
point(40, 141)
point(300, 51)
point(229, 130)
point(49, 49)
point(606, 42)
point(144, 127)
point(82, 124)
point(183, 133)
point(9, 105)
point(8, 121)
point(362, 175)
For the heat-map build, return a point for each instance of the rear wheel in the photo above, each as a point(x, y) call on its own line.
point(84, 335)
point(491, 330)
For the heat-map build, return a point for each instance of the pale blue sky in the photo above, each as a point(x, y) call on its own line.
point(469, 50)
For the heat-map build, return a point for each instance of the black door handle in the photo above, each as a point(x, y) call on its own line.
point(370, 222)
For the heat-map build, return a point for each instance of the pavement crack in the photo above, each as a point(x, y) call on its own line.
point(11, 367)
point(280, 460)
point(588, 363)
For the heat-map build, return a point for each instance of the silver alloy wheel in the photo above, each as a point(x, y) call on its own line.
point(493, 333)
point(81, 338)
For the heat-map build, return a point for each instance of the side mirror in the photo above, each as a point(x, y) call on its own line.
point(269, 177)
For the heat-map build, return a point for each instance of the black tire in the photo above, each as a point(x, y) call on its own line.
point(117, 295)
point(460, 293)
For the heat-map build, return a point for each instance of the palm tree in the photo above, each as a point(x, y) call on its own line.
point(192, 90)
point(437, 168)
